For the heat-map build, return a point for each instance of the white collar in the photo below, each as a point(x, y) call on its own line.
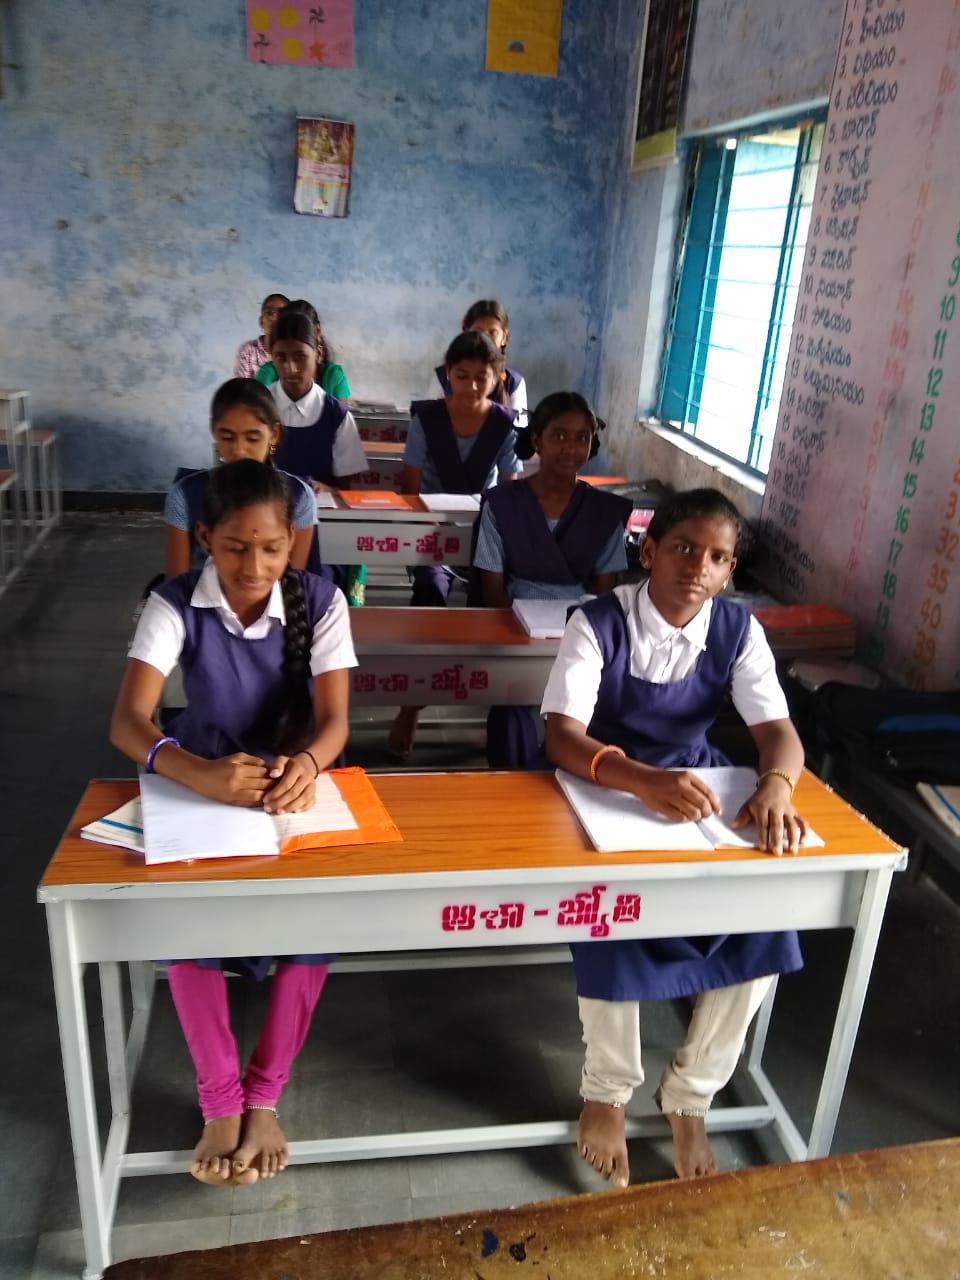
point(653, 624)
point(208, 594)
point(308, 406)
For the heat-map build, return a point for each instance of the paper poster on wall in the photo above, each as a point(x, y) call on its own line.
point(524, 36)
point(666, 36)
point(299, 33)
point(324, 163)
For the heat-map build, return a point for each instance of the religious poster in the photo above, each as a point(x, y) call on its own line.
point(324, 163)
point(299, 33)
point(524, 36)
point(666, 35)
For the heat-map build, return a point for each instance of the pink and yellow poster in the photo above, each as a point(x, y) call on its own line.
point(300, 33)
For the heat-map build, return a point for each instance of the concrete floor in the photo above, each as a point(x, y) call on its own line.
point(412, 1050)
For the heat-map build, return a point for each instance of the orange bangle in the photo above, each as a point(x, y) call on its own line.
point(604, 751)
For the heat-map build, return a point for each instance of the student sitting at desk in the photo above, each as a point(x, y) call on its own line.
point(330, 375)
point(264, 651)
point(547, 537)
point(244, 423)
point(639, 679)
point(461, 444)
point(321, 442)
point(253, 355)
point(489, 316)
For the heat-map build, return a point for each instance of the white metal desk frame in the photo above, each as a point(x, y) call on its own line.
point(444, 672)
point(339, 529)
point(107, 924)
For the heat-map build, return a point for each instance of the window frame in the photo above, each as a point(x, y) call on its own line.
point(710, 165)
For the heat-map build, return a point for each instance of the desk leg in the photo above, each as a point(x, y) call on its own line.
point(865, 936)
point(78, 1078)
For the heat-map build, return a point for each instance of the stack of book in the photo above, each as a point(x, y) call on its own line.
point(797, 629)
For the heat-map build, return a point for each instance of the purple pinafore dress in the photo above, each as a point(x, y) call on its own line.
point(307, 452)
point(564, 556)
point(229, 682)
point(432, 583)
point(666, 725)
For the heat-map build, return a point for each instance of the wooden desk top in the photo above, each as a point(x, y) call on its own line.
point(376, 629)
point(451, 822)
point(871, 1216)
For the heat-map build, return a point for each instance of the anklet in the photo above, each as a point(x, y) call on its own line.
point(693, 1112)
point(257, 1107)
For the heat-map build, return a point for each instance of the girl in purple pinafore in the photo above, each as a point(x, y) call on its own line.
point(639, 679)
point(264, 650)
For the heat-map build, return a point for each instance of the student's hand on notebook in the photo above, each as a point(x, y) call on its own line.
point(238, 779)
point(676, 794)
point(292, 785)
point(320, 487)
point(780, 829)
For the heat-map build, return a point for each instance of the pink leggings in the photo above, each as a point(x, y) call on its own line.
point(200, 997)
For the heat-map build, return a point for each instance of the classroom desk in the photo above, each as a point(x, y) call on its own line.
point(382, 427)
point(395, 537)
point(468, 657)
point(868, 1216)
point(385, 461)
point(517, 871)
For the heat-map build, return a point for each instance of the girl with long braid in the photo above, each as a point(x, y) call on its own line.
point(264, 650)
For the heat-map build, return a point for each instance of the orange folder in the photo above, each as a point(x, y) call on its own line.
point(374, 824)
point(376, 500)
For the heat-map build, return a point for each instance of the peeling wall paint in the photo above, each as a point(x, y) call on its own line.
point(146, 174)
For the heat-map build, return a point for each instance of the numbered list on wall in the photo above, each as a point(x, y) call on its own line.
point(862, 508)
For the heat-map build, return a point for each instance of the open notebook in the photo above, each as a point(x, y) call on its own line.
point(618, 822)
point(171, 823)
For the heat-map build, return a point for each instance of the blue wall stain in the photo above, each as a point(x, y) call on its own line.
point(147, 171)
point(489, 1244)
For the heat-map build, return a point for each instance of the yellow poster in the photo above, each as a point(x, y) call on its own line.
point(524, 36)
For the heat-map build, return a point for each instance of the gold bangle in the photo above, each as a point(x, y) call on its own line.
point(778, 773)
point(604, 751)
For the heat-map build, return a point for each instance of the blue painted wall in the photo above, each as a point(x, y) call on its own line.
point(146, 172)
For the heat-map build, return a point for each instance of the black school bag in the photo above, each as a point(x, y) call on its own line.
point(905, 736)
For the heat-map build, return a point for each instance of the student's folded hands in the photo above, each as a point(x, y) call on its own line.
point(293, 788)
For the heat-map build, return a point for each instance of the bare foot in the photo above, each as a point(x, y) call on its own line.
point(601, 1140)
point(403, 731)
point(213, 1153)
point(262, 1152)
point(692, 1157)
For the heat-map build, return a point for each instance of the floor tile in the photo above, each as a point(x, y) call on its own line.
point(303, 1222)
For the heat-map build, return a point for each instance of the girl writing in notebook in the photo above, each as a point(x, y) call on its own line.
point(461, 444)
point(489, 316)
point(244, 424)
point(638, 681)
point(321, 442)
point(549, 536)
point(264, 650)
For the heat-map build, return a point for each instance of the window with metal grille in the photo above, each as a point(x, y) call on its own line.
point(739, 268)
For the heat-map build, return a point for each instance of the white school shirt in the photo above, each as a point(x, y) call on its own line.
point(348, 456)
point(660, 653)
point(160, 633)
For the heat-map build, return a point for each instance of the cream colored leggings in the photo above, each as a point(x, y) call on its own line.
point(612, 1066)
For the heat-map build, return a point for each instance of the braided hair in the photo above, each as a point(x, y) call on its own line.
point(285, 721)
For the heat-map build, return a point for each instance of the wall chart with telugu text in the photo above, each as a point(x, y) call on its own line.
point(862, 506)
